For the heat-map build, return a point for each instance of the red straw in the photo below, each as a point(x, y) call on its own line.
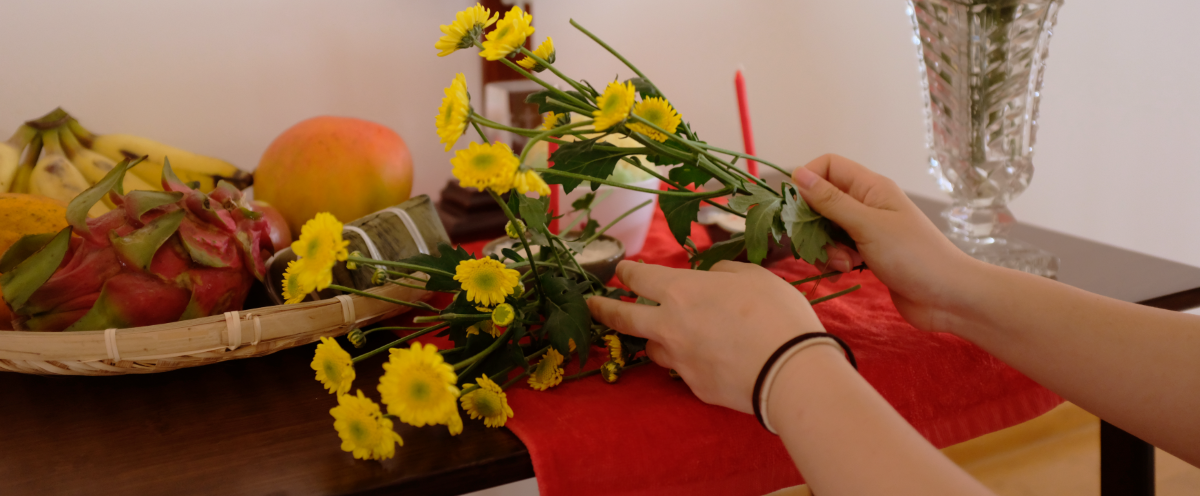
point(553, 147)
point(744, 110)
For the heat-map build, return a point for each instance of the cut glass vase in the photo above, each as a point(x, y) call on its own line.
point(981, 65)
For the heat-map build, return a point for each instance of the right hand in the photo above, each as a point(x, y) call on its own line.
point(925, 272)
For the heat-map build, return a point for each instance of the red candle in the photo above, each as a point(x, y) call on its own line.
point(739, 81)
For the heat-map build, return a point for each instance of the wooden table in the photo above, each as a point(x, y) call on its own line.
point(262, 426)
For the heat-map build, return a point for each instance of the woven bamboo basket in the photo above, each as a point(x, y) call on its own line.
point(416, 228)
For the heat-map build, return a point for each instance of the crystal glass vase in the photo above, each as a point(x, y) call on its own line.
point(981, 65)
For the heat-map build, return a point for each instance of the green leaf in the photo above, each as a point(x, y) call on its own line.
point(139, 247)
point(689, 174)
point(512, 255)
point(665, 159)
point(720, 173)
point(808, 230)
point(145, 201)
point(680, 211)
point(725, 250)
point(22, 249)
point(533, 213)
point(77, 210)
point(548, 102)
point(567, 315)
point(29, 275)
point(758, 194)
point(758, 228)
point(583, 159)
point(446, 260)
point(584, 202)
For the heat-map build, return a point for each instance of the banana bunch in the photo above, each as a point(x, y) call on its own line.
point(55, 156)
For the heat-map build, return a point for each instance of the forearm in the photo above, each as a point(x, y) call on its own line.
point(846, 439)
point(1133, 366)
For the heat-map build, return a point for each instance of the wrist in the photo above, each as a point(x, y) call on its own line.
point(806, 383)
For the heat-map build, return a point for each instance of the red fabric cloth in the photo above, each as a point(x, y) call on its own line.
point(647, 434)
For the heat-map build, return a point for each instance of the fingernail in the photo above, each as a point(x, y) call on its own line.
point(842, 265)
point(804, 178)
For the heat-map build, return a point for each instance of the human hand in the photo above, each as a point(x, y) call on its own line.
point(715, 328)
point(923, 269)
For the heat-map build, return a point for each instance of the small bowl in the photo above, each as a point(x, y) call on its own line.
point(603, 268)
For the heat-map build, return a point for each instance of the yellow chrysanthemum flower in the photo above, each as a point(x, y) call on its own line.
point(488, 402)
point(320, 246)
point(503, 315)
point(548, 372)
point(364, 430)
point(335, 368)
point(528, 180)
point(486, 280)
point(509, 34)
point(614, 105)
point(491, 165)
point(465, 29)
point(418, 385)
point(613, 342)
point(293, 290)
point(455, 111)
point(553, 120)
point(545, 51)
point(659, 112)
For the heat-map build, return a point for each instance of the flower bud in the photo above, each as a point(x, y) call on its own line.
point(514, 231)
point(609, 371)
point(357, 338)
point(351, 265)
point(503, 315)
point(379, 277)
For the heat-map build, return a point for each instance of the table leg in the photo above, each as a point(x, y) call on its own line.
point(1126, 463)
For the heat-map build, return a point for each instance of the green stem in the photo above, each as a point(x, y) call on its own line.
point(514, 380)
point(615, 54)
point(402, 265)
point(546, 134)
point(692, 145)
point(678, 186)
point(486, 351)
point(414, 286)
point(473, 386)
point(616, 220)
point(480, 131)
point(405, 275)
point(690, 194)
point(567, 97)
point(529, 253)
point(443, 317)
point(578, 87)
point(831, 296)
point(397, 342)
point(420, 304)
point(452, 350)
point(742, 155)
point(827, 274)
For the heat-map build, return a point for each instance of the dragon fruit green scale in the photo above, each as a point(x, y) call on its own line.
point(160, 257)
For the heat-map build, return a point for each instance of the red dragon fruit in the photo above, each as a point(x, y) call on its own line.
point(161, 256)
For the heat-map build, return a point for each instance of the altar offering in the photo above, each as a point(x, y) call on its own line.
point(519, 316)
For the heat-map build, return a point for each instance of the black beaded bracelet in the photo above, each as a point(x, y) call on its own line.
point(767, 370)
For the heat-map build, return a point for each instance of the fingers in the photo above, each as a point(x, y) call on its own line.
point(830, 201)
point(734, 267)
point(628, 318)
point(648, 280)
point(863, 184)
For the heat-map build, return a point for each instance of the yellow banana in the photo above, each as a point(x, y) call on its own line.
point(54, 175)
point(95, 166)
point(10, 156)
point(187, 165)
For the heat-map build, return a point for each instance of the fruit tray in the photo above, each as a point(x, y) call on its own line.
point(398, 232)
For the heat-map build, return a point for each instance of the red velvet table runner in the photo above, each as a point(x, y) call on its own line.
point(647, 434)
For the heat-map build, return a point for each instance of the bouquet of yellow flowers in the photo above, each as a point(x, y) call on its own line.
point(525, 309)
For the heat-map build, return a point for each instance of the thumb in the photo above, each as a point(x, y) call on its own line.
point(830, 201)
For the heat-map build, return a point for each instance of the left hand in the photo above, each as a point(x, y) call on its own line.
point(715, 328)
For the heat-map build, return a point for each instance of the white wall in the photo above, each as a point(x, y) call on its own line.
point(1115, 161)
